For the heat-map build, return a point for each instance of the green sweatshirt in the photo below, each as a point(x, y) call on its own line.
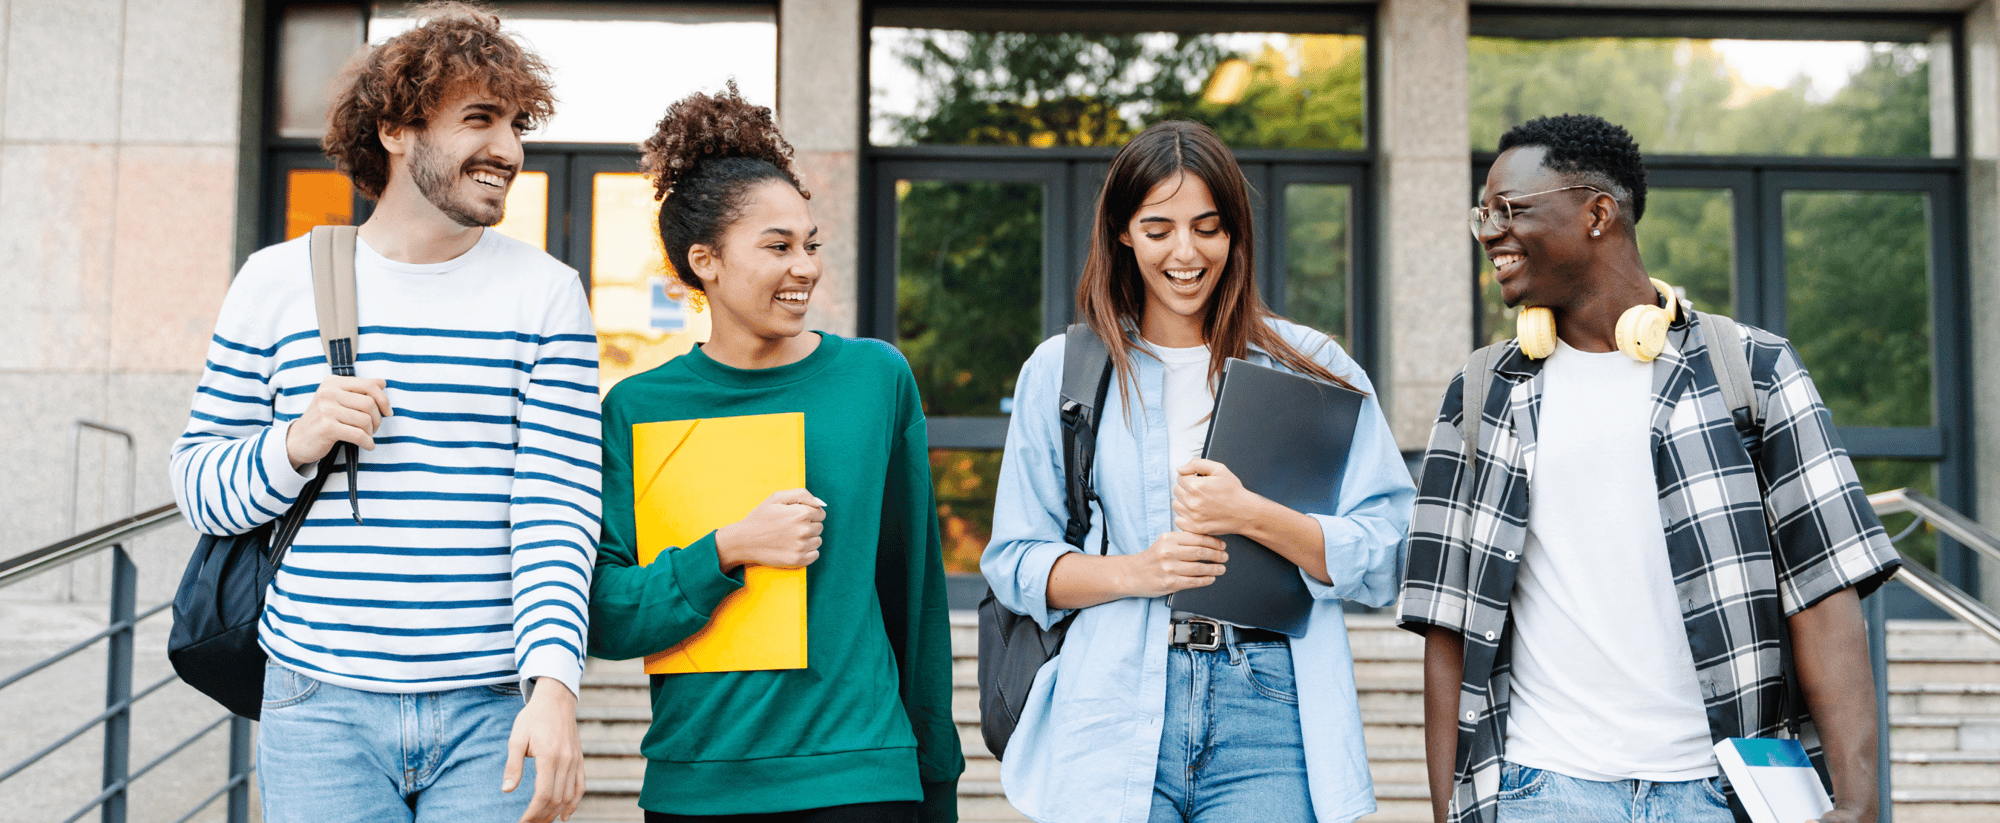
point(869, 718)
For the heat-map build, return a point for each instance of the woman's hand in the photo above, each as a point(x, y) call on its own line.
point(782, 532)
point(1209, 499)
point(1176, 561)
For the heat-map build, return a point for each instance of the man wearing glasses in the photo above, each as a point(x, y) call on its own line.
point(1626, 570)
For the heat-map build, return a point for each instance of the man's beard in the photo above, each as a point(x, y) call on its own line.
point(436, 177)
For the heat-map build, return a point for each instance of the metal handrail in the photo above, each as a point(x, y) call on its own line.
point(116, 718)
point(1952, 599)
point(1945, 518)
point(35, 561)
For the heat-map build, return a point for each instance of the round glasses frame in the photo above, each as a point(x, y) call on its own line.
point(1503, 217)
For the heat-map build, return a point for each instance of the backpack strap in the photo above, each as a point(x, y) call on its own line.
point(1472, 398)
point(339, 329)
point(1732, 369)
point(1086, 375)
point(333, 294)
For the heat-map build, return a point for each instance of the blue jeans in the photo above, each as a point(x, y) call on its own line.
point(1531, 795)
point(327, 754)
point(1231, 749)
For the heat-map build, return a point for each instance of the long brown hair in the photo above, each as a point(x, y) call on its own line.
point(1112, 293)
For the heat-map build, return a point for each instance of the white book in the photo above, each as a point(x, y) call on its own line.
point(1774, 779)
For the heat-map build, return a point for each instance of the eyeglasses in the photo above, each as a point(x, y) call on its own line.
point(1502, 217)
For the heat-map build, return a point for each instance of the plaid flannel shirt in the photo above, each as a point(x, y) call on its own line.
point(1750, 540)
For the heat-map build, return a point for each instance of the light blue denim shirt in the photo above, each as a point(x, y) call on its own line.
point(1088, 742)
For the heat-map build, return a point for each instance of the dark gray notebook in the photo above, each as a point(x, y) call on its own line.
point(1287, 438)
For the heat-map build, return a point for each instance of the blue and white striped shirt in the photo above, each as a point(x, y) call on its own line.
point(480, 497)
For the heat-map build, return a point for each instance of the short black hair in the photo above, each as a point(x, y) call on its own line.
point(1590, 150)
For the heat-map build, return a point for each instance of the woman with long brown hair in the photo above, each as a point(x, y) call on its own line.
point(1135, 720)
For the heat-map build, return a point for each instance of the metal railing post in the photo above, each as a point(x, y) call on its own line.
point(1873, 609)
point(76, 475)
point(118, 684)
point(239, 770)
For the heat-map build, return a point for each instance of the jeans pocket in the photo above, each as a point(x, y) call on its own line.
point(1518, 782)
point(1712, 789)
point(284, 687)
point(1268, 667)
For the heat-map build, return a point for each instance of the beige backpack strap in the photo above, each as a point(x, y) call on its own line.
point(333, 295)
point(1732, 370)
point(339, 329)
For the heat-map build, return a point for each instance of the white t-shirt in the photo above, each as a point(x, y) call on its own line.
point(1603, 682)
point(1188, 401)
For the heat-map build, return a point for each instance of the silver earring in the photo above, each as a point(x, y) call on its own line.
point(1595, 232)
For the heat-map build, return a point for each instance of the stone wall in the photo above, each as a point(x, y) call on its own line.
point(118, 158)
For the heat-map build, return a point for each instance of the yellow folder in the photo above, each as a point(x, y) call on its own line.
point(692, 477)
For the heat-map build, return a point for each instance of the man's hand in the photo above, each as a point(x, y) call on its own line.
point(546, 731)
point(344, 410)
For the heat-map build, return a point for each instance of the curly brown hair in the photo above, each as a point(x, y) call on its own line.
point(404, 81)
point(704, 156)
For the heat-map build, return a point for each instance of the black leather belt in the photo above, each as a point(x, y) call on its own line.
point(1205, 635)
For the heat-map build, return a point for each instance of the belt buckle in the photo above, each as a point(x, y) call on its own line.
point(1195, 628)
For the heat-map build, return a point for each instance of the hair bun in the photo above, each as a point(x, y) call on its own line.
point(704, 126)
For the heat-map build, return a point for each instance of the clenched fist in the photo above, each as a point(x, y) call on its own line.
point(782, 532)
point(344, 410)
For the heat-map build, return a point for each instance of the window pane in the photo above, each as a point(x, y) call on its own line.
point(1686, 239)
point(642, 320)
point(968, 289)
point(1688, 96)
point(1318, 243)
point(528, 210)
point(313, 43)
point(1857, 288)
point(934, 86)
point(1881, 475)
point(965, 480)
point(617, 66)
point(316, 197)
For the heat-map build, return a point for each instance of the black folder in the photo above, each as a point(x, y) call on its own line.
point(1287, 437)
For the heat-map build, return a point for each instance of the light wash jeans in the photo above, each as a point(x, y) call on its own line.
point(328, 754)
point(1531, 795)
point(1232, 749)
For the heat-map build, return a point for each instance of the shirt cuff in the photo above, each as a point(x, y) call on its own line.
point(698, 573)
point(555, 662)
point(285, 480)
point(1032, 576)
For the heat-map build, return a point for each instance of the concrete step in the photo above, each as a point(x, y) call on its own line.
point(1946, 805)
point(1943, 733)
point(1980, 700)
point(1939, 638)
point(1944, 770)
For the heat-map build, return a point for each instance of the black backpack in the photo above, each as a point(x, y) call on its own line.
point(1013, 647)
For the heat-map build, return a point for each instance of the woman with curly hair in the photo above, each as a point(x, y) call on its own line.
point(864, 732)
point(1150, 714)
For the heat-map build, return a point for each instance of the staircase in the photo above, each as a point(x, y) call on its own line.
point(1944, 711)
point(1944, 699)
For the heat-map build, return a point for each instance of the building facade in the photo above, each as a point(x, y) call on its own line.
point(953, 151)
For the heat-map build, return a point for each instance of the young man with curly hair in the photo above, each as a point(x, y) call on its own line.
point(1623, 570)
point(403, 632)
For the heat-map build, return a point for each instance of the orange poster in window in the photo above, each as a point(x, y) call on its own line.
point(694, 476)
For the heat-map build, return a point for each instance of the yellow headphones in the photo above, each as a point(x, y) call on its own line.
point(1641, 331)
